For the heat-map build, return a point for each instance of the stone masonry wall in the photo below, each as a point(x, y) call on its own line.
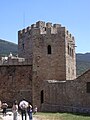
point(33, 42)
point(15, 83)
point(70, 56)
point(59, 64)
point(48, 76)
point(67, 96)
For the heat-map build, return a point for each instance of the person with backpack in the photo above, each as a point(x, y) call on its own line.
point(23, 106)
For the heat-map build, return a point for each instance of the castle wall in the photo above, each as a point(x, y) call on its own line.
point(25, 44)
point(47, 66)
point(33, 42)
point(15, 83)
point(45, 73)
point(70, 56)
point(67, 96)
point(49, 49)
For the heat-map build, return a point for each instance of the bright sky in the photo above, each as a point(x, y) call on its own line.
point(73, 14)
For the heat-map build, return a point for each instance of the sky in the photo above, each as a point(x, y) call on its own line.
point(72, 14)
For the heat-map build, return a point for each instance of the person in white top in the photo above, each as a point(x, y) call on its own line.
point(15, 110)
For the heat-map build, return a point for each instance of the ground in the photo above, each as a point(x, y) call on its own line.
point(9, 116)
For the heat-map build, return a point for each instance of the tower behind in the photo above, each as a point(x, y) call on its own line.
point(50, 49)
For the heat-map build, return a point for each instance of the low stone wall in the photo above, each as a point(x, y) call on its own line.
point(59, 108)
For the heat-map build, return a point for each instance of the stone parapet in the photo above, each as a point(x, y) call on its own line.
point(43, 28)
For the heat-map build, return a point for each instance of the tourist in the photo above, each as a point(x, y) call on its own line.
point(23, 106)
point(4, 107)
point(35, 110)
point(15, 110)
point(29, 109)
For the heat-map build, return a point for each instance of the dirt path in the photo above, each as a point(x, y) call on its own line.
point(9, 116)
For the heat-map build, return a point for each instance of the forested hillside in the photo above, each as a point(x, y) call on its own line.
point(82, 62)
point(7, 47)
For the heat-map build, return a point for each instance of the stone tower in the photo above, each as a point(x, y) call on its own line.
point(51, 51)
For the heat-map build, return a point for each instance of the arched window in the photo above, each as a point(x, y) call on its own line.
point(49, 49)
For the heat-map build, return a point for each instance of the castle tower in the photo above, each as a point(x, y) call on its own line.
point(51, 51)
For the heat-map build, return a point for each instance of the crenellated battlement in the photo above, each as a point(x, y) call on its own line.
point(42, 28)
point(45, 28)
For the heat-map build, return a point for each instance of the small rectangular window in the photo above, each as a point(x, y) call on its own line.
point(23, 46)
point(42, 97)
point(88, 87)
point(49, 49)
